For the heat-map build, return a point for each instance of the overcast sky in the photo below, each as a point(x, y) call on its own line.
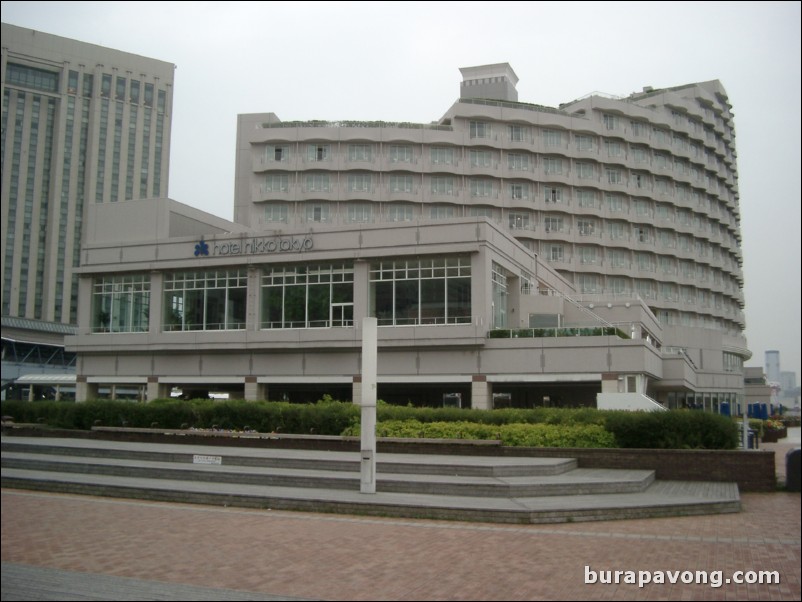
point(399, 61)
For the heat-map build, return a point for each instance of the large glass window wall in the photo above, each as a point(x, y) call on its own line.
point(308, 296)
point(211, 300)
point(408, 292)
point(121, 303)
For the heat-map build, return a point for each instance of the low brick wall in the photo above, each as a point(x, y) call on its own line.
point(753, 470)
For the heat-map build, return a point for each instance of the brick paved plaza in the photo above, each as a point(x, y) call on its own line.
point(257, 554)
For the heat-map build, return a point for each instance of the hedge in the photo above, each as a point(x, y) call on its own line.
point(676, 429)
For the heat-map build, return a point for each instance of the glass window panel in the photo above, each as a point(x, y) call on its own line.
point(433, 296)
point(318, 305)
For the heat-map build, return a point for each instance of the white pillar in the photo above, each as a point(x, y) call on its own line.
point(368, 425)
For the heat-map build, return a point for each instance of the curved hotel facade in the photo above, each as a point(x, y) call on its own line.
point(514, 254)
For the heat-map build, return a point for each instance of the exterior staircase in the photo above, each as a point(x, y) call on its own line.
point(456, 487)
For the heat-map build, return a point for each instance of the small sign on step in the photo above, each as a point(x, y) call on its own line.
point(198, 459)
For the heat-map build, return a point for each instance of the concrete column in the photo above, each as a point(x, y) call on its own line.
point(356, 390)
point(252, 302)
point(254, 391)
point(157, 390)
point(368, 424)
point(481, 393)
point(361, 293)
point(84, 390)
point(156, 309)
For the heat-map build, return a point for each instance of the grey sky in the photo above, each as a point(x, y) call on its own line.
point(399, 61)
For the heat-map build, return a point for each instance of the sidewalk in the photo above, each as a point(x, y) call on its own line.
point(111, 549)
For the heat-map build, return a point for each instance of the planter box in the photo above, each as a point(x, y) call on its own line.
point(774, 436)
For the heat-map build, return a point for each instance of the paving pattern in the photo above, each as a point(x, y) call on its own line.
point(69, 547)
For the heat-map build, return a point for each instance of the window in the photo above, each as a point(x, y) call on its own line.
point(588, 284)
point(318, 152)
point(481, 188)
point(588, 255)
point(278, 153)
point(552, 138)
point(610, 121)
point(499, 293)
point(552, 165)
point(660, 136)
point(645, 262)
point(442, 185)
point(308, 296)
point(402, 183)
point(360, 152)
point(360, 182)
point(640, 155)
point(121, 303)
point(276, 212)
point(441, 211)
point(667, 239)
point(668, 265)
point(642, 234)
point(556, 253)
point(399, 212)
point(668, 291)
point(148, 95)
point(134, 90)
point(119, 88)
point(480, 158)
point(277, 182)
point(646, 289)
point(584, 170)
point(638, 128)
point(614, 148)
point(36, 79)
point(554, 224)
point(616, 230)
point(210, 300)
point(479, 129)
point(72, 82)
point(400, 153)
point(615, 203)
point(317, 182)
point(518, 162)
point(664, 212)
point(105, 87)
point(619, 258)
point(407, 292)
point(618, 286)
point(584, 143)
point(586, 227)
point(642, 207)
point(638, 180)
point(442, 155)
point(519, 221)
point(318, 213)
point(586, 198)
point(481, 212)
point(552, 194)
point(359, 212)
point(516, 133)
point(613, 175)
point(519, 191)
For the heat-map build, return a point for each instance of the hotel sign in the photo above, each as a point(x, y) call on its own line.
point(254, 246)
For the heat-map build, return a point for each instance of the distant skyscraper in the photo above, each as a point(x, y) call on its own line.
point(81, 124)
point(773, 366)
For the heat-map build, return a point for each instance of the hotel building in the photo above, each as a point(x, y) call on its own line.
point(513, 254)
point(81, 125)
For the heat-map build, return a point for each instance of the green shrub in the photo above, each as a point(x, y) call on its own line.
point(677, 429)
point(521, 435)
